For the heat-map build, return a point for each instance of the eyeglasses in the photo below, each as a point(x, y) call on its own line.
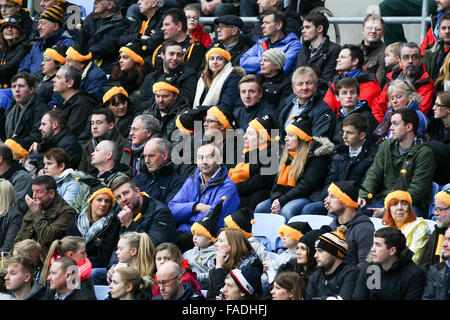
point(209, 121)
point(440, 209)
point(439, 105)
point(161, 283)
point(414, 57)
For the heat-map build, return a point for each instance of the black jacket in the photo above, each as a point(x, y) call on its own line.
point(322, 116)
point(167, 121)
point(100, 248)
point(78, 109)
point(340, 283)
point(309, 183)
point(157, 221)
point(101, 36)
point(21, 181)
point(343, 167)
point(43, 88)
point(276, 90)
point(403, 281)
point(188, 294)
point(89, 147)
point(430, 257)
point(325, 58)
point(244, 115)
point(25, 122)
point(437, 283)
point(132, 33)
point(67, 141)
point(236, 51)
point(183, 78)
point(85, 292)
point(11, 59)
point(440, 144)
point(162, 185)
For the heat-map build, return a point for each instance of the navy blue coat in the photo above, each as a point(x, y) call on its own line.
point(161, 185)
point(243, 115)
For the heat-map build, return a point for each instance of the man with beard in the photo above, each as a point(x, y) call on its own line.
point(413, 71)
point(435, 56)
point(174, 72)
point(201, 192)
point(56, 134)
point(433, 249)
point(334, 278)
point(169, 104)
point(140, 213)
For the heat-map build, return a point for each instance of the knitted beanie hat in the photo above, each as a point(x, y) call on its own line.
point(294, 230)
point(223, 115)
point(248, 279)
point(301, 127)
point(346, 192)
point(242, 219)
point(264, 125)
point(112, 92)
point(276, 56)
point(54, 14)
point(444, 196)
point(186, 121)
point(334, 243)
point(208, 225)
point(162, 85)
point(18, 146)
point(56, 53)
point(135, 50)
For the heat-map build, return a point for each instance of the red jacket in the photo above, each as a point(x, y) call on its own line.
point(202, 36)
point(368, 87)
point(428, 41)
point(424, 87)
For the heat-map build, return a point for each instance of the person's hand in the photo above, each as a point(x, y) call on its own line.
point(33, 205)
point(221, 258)
point(326, 146)
point(125, 216)
point(33, 148)
point(205, 7)
point(276, 207)
point(362, 202)
point(109, 275)
point(377, 212)
point(201, 207)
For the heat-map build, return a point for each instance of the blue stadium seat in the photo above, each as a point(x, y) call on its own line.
point(435, 189)
point(315, 221)
point(266, 229)
point(101, 292)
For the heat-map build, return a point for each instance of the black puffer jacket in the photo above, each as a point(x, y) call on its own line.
point(11, 59)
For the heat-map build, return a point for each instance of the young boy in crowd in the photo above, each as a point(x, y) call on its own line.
point(391, 59)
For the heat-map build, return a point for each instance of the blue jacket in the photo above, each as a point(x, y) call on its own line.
point(290, 45)
point(182, 205)
point(32, 61)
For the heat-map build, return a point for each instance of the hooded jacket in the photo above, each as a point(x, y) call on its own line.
point(368, 87)
point(423, 84)
point(418, 161)
point(191, 193)
point(359, 236)
point(163, 184)
point(37, 291)
point(290, 45)
point(403, 281)
point(201, 261)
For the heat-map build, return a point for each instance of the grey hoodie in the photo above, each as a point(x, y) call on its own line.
point(201, 261)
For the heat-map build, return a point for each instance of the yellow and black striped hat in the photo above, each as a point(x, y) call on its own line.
point(54, 14)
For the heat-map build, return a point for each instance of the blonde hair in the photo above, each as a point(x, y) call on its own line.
point(132, 276)
point(444, 71)
point(409, 90)
point(299, 161)
point(59, 247)
point(145, 263)
point(28, 248)
point(7, 197)
point(394, 48)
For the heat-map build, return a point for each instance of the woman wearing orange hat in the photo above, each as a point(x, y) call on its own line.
point(116, 99)
point(218, 84)
point(301, 172)
point(128, 70)
point(399, 214)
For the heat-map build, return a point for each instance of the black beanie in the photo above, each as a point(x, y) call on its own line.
point(242, 219)
point(302, 128)
point(346, 191)
point(208, 225)
point(295, 230)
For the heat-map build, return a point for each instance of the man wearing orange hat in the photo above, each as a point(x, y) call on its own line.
point(169, 104)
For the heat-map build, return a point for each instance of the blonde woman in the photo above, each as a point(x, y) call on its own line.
point(301, 172)
point(10, 216)
point(127, 284)
point(218, 84)
point(442, 82)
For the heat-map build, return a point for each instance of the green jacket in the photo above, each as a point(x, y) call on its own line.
point(46, 227)
point(80, 201)
point(418, 162)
